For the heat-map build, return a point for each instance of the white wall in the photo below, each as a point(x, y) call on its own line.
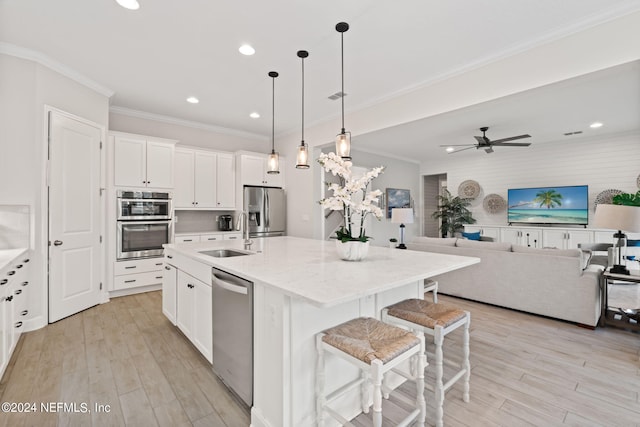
point(602, 164)
point(572, 56)
point(23, 149)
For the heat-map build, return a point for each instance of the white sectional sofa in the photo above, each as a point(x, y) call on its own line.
point(549, 282)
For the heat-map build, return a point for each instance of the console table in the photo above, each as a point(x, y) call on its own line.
point(614, 317)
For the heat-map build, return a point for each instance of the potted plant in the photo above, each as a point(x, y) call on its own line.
point(350, 196)
point(453, 212)
point(627, 199)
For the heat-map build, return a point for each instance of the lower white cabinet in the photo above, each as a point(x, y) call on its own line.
point(522, 236)
point(207, 237)
point(137, 273)
point(566, 239)
point(169, 297)
point(194, 311)
point(14, 285)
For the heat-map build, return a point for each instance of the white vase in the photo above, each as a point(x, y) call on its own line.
point(352, 250)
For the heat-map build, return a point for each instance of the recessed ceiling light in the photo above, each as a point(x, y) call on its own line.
point(246, 49)
point(595, 125)
point(129, 4)
point(254, 115)
point(193, 100)
point(449, 149)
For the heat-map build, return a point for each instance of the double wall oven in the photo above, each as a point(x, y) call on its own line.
point(144, 223)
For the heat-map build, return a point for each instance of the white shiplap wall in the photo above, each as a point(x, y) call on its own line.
point(601, 164)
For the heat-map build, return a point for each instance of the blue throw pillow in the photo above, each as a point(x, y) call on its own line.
point(471, 236)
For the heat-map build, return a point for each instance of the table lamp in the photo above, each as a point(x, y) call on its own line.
point(621, 218)
point(402, 216)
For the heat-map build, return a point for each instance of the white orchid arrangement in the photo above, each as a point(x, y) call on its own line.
point(343, 196)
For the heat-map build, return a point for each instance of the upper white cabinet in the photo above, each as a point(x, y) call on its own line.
point(141, 161)
point(253, 171)
point(204, 179)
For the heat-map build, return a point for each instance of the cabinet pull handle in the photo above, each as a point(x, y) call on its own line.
point(24, 312)
point(170, 256)
point(158, 263)
point(25, 283)
point(25, 261)
point(158, 277)
point(19, 266)
point(18, 324)
point(167, 267)
point(130, 281)
point(131, 266)
point(9, 298)
point(188, 240)
point(18, 291)
point(11, 273)
point(3, 282)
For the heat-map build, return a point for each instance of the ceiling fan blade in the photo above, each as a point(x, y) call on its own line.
point(462, 149)
point(511, 144)
point(512, 138)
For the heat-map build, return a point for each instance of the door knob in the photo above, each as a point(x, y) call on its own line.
point(57, 242)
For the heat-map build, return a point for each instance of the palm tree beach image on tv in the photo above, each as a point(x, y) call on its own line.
point(549, 205)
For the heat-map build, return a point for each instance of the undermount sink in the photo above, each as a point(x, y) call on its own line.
point(224, 253)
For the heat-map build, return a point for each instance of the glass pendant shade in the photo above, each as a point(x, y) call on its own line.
point(273, 163)
point(303, 157)
point(343, 145)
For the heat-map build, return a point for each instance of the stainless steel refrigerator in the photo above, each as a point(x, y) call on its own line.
point(267, 208)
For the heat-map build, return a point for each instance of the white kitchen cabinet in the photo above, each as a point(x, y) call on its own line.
point(253, 171)
point(14, 285)
point(232, 236)
point(204, 180)
point(141, 161)
point(194, 312)
point(169, 287)
point(566, 239)
point(187, 238)
point(206, 237)
point(137, 273)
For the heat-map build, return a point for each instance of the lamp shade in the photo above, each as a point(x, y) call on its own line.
point(402, 216)
point(617, 217)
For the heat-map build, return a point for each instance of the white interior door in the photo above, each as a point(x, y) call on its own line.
point(74, 216)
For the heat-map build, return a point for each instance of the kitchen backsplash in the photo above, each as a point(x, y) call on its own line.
point(198, 221)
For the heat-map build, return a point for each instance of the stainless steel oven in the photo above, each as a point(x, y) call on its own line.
point(144, 224)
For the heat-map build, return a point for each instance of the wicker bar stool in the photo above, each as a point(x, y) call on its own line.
point(436, 320)
point(375, 348)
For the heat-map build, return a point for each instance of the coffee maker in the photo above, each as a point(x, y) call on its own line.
point(225, 222)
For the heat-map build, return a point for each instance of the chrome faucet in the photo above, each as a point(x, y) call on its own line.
point(243, 219)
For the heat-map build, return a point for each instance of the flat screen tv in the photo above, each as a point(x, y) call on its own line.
point(549, 205)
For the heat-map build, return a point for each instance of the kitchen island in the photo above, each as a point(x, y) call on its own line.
point(300, 287)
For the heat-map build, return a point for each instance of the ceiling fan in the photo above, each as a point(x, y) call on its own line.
point(487, 144)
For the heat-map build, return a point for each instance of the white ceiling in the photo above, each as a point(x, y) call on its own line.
point(154, 58)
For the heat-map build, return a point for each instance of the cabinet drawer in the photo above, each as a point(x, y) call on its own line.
point(211, 237)
point(187, 238)
point(128, 281)
point(233, 236)
point(137, 266)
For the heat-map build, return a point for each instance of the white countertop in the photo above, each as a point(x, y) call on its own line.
point(8, 255)
point(311, 269)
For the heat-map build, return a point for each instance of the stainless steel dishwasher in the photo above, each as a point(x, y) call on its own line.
point(233, 332)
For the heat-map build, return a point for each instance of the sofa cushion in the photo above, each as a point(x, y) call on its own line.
point(471, 236)
point(576, 253)
point(494, 246)
point(447, 241)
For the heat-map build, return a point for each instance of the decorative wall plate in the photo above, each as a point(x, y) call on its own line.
point(606, 197)
point(469, 189)
point(494, 203)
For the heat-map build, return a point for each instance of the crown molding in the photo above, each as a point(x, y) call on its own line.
point(52, 64)
point(186, 123)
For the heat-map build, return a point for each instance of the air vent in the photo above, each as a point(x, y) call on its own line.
point(578, 132)
point(337, 95)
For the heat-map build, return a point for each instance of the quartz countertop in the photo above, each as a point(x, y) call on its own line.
point(312, 271)
point(8, 255)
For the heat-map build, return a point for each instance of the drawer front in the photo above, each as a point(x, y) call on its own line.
point(187, 238)
point(211, 237)
point(137, 266)
point(196, 269)
point(129, 281)
point(234, 236)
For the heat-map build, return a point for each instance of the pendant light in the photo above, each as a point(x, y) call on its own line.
point(303, 149)
point(273, 161)
point(343, 139)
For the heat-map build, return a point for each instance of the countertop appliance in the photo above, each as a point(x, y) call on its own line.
point(266, 207)
point(233, 332)
point(225, 223)
point(144, 224)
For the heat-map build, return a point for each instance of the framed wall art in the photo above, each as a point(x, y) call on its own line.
point(397, 198)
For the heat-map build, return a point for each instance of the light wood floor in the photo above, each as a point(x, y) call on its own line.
point(526, 370)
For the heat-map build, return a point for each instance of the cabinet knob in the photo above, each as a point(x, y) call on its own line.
point(24, 312)
point(18, 324)
point(166, 267)
point(57, 242)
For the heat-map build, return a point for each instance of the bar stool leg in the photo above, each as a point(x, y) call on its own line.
point(438, 339)
point(320, 399)
point(376, 366)
point(364, 392)
point(421, 365)
point(465, 361)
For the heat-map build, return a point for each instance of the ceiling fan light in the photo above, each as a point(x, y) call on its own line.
point(449, 149)
point(343, 145)
point(303, 157)
point(595, 125)
point(129, 4)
